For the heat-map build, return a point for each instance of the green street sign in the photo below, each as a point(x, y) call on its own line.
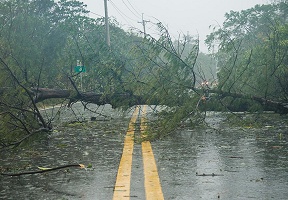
point(78, 69)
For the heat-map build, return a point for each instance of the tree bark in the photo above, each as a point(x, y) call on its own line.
point(276, 106)
point(42, 94)
point(130, 99)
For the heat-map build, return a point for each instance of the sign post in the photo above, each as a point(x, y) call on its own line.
point(79, 69)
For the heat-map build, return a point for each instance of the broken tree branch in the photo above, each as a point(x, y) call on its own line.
point(100, 99)
point(43, 171)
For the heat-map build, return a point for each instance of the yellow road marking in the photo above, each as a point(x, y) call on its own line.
point(153, 190)
point(122, 185)
point(152, 183)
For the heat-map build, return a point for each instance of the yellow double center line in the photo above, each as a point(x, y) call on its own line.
point(152, 183)
point(153, 190)
point(122, 186)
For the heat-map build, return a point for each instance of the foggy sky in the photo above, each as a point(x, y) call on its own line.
point(180, 16)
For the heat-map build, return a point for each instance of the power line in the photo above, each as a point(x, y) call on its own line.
point(96, 14)
point(119, 11)
point(130, 9)
point(133, 8)
point(124, 16)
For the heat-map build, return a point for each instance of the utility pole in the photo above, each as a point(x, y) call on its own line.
point(107, 23)
point(143, 22)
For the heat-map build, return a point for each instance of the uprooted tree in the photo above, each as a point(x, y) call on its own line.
point(39, 52)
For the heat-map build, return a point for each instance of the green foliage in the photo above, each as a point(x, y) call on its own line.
point(41, 40)
point(169, 77)
point(165, 70)
point(171, 118)
point(34, 33)
point(16, 121)
point(253, 51)
point(206, 69)
point(32, 36)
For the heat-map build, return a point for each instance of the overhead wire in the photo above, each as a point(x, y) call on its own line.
point(95, 14)
point(124, 16)
point(129, 20)
point(130, 9)
point(133, 8)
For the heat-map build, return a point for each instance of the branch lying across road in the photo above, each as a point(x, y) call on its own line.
point(276, 106)
point(43, 171)
point(208, 174)
point(130, 99)
point(17, 143)
point(41, 94)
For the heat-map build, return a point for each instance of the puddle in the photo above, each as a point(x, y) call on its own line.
point(97, 143)
point(251, 163)
point(247, 162)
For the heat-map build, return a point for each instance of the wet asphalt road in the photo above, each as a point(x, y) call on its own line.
point(251, 163)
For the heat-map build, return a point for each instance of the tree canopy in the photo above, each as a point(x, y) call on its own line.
point(252, 54)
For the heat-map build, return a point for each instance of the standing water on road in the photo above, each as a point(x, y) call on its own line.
point(223, 161)
point(75, 140)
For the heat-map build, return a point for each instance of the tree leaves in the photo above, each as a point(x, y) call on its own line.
point(252, 51)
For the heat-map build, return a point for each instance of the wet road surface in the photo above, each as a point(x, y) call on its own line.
point(238, 163)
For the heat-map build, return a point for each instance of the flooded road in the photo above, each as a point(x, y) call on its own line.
point(98, 143)
point(250, 163)
point(219, 162)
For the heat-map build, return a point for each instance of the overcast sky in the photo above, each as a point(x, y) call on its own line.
point(180, 16)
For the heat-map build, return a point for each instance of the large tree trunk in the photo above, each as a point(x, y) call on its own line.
point(45, 93)
point(42, 94)
point(276, 106)
point(130, 100)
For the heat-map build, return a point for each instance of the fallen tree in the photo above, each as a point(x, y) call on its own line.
point(276, 106)
point(161, 72)
point(116, 99)
point(41, 94)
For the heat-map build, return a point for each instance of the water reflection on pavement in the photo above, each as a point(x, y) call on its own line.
point(246, 163)
point(97, 142)
point(251, 163)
